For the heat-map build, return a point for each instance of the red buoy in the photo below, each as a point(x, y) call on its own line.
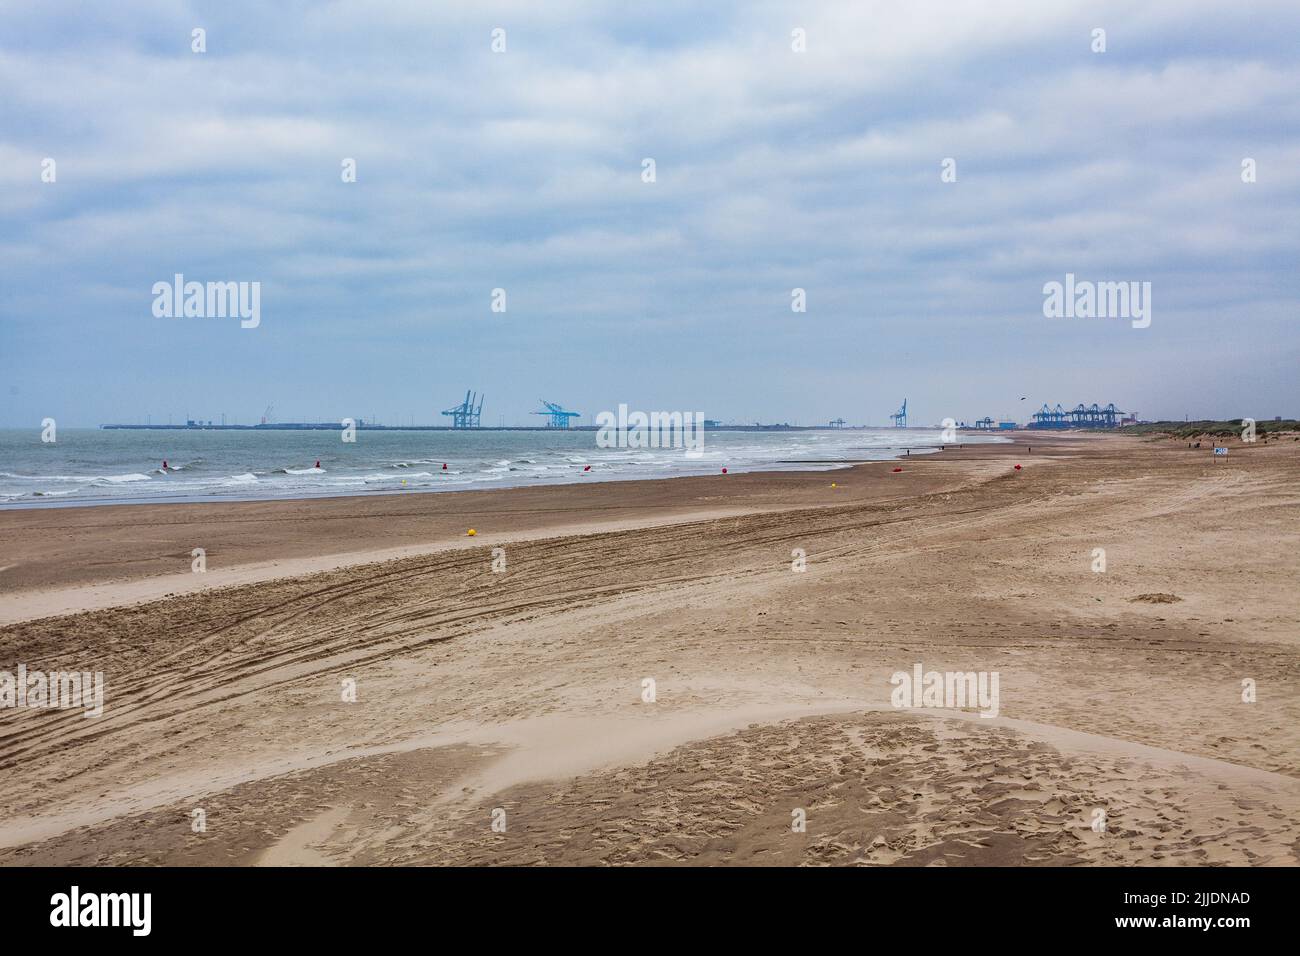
point(444, 466)
point(317, 462)
point(897, 470)
point(1017, 467)
point(587, 468)
point(724, 471)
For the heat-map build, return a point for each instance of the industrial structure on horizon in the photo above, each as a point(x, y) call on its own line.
point(466, 414)
point(557, 417)
point(1081, 416)
point(900, 417)
point(1058, 419)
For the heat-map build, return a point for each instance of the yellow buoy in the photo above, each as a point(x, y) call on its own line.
point(832, 484)
point(471, 532)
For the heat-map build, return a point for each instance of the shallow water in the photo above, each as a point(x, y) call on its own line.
point(98, 466)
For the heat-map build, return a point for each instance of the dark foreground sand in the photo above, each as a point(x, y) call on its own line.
point(521, 696)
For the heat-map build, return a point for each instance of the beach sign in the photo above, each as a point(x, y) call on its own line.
point(1220, 451)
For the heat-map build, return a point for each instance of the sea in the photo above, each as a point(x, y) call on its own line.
point(108, 466)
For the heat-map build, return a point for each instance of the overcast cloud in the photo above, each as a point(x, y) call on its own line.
point(522, 170)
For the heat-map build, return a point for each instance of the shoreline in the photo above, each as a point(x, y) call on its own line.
point(47, 548)
point(47, 501)
point(236, 498)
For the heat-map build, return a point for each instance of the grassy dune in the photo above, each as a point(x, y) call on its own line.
point(1228, 428)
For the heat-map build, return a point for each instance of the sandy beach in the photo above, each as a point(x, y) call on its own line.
point(651, 678)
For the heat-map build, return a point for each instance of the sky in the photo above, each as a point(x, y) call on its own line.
point(775, 168)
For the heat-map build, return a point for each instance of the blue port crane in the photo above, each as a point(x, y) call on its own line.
point(466, 414)
point(557, 417)
point(900, 417)
point(1081, 416)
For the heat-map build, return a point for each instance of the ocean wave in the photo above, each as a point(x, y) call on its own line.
point(389, 479)
point(81, 478)
point(407, 463)
point(121, 479)
point(250, 469)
